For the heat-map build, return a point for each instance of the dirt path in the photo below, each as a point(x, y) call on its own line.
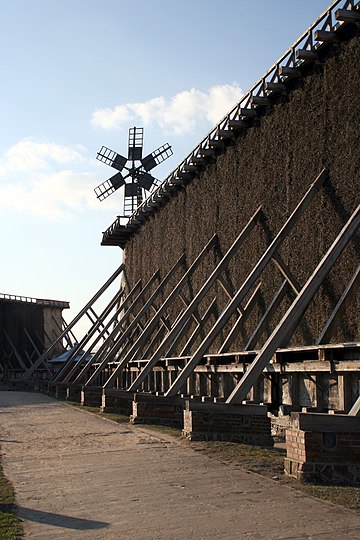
point(79, 476)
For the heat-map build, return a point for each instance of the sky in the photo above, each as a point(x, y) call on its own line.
point(76, 75)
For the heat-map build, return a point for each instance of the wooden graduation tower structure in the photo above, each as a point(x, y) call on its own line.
point(239, 290)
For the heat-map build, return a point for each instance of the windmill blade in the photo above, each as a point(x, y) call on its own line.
point(136, 136)
point(108, 187)
point(145, 180)
point(108, 156)
point(158, 156)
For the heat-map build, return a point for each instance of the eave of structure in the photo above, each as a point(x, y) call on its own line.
point(331, 27)
point(38, 301)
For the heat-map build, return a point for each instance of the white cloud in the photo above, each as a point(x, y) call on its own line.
point(28, 155)
point(178, 115)
point(56, 196)
point(33, 179)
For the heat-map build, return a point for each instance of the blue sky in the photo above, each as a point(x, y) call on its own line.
point(76, 74)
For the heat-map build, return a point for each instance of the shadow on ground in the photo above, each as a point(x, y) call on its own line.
point(59, 520)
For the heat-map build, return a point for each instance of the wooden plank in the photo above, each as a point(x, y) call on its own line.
point(296, 310)
point(172, 339)
point(249, 282)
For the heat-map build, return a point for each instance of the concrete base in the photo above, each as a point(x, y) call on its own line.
point(150, 409)
point(323, 448)
point(117, 401)
point(91, 396)
point(247, 424)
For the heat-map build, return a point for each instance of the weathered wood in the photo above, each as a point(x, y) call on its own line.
point(134, 348)
point(125, 309)
point(290, 72)
point(237, 124)
point(154, 321)
point(293, 282)
point(69, 368)
point(260, 101)
point(275, 87)
point(296, 310)
point(349, 291)
point(82, 312)
point(347, 15)
point(249, 282)
point(240, 320)
point(355, 409)
point(273, 306)
point(306, 54)
point(325, 36)
point(172, 338)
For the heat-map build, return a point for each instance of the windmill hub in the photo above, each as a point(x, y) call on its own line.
point(135, 178)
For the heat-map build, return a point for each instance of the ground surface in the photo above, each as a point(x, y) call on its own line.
point(79, 476)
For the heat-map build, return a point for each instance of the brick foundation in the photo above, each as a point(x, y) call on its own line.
point(248, 424)
point(323, 448)
point(117, 401)
point(150, 409)
point(73, 392)
point(91, 396)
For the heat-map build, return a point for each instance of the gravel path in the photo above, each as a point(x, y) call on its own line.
point(78, 476)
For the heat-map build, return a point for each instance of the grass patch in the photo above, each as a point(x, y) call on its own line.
point(10, 524)
point(269, 462)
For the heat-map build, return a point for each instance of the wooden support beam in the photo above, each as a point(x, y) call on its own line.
point(260, 101)
point(204, 319)
point(70, 367)
point(47, 353)
point(290, 72)
point(275, 87)
point(290, 320)
point(347, 15)
point(247, 113)
point(206, 152)
point(15, 351)
point(240, 320)
point(225, 133)
point(237, 124)
point(169, 300)
point(273, 306)
point(248, 283)
point(355, 409)
point(306, 54)
point(105, 357)
point(325, 36)
point(279, 263)
point(348, 292)
point(172, 339)
point(36, 350)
